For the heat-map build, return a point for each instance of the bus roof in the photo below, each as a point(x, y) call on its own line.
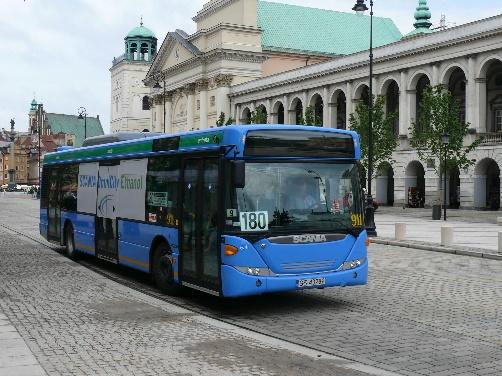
point(186, 141)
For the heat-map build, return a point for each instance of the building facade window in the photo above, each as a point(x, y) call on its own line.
point(212, 101)
point(146, 103)
point(498, 120)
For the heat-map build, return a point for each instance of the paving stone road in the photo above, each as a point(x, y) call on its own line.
point(76, 322)
point(422, 313)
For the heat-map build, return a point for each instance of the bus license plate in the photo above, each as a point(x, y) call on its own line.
point(311, 282)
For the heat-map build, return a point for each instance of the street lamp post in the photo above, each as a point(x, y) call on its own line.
point(39, 119)
point(12, 156)
point(82, 114)
point(157, 86)
point(445, 140)
point(360, 8)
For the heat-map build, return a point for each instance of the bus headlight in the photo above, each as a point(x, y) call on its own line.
point(348, 265)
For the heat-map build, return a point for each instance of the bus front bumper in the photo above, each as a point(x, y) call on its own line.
point(236, 283)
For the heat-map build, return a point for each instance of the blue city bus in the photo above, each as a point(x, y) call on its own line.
point(232, 211)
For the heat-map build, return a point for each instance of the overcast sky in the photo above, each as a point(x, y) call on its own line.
point(61, 50)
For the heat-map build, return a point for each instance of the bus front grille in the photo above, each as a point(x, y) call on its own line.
point(309, 265)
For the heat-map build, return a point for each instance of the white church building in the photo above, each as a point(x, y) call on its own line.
point(246, 54)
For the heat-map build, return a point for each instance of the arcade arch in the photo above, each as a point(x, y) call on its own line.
point(415, 185)
point(487, 185)
point(385, 184)
point(296, 111)
point(278, 113)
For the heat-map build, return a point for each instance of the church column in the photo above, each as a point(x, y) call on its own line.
point(190, 92)
point(305, 102)
point(270, 118)
point(348, 102)
point(202, 86)
point(169, 112)
point(435, 74)
point(404, 116)
point(285, 101)
point(480, 104)
point(412, 106)
point(223, 82)
point(158, 102)
point(470, 92)
point(238, 114)
point(327, 123)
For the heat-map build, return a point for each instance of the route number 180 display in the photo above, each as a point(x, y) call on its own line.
point(254, 221)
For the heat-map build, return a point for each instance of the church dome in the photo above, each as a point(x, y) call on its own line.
point(141, 32)
point(33, 105)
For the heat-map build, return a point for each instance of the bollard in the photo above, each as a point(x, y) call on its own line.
point(499, 221)
point(446, 236)
point(400, 231)
point(500, 242)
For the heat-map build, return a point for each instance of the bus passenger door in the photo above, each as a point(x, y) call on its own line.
point(106, 209)
point(200, 245)
point(54, 207)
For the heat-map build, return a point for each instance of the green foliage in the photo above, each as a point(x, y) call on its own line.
point(259, 116)
point(300, 120)
point(311, 118)
point(222, 122)
point(439, 114)
point(384, 139)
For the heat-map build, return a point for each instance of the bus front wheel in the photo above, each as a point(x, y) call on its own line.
point(162, 270)
point(70, 242)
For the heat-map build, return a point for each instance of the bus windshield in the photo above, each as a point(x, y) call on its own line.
point(296, 197)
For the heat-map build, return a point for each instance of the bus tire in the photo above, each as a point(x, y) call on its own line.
point(70, 242)
point(162, 270)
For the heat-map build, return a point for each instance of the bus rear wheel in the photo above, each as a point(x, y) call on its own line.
point(162, 270)
point(70, 242)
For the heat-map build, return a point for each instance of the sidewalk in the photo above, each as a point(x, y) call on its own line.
point(16, 358)
point(473, 230)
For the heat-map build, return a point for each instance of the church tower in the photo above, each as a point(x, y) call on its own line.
point(130, 103)
point(32, 117)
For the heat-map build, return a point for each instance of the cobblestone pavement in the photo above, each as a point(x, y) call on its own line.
point(77, 322)
point(422, 313)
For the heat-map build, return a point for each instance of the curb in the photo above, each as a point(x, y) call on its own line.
point(437, 248)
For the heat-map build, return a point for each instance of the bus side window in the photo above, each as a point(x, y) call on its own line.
point(69, 179)
point(44, 187)
point(162, 191)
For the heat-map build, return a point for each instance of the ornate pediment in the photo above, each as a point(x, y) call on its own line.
point(176, 49)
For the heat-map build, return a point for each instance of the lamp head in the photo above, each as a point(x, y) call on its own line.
point(360, 7)
point(445, 138)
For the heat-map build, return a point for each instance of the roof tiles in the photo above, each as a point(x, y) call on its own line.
point(318, 31)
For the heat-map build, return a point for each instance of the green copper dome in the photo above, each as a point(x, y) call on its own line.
point(423, 15)
point(422, 20)
point(33, 105)
point(141, 32)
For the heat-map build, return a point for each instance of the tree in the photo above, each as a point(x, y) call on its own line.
point(311, 118)
point(259, 116)
point(439, 113)
point(221, 120)
point(384, 139)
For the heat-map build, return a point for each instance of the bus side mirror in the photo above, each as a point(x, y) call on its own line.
point(238, 173)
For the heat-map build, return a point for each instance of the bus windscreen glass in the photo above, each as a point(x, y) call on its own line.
point(301, 197)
